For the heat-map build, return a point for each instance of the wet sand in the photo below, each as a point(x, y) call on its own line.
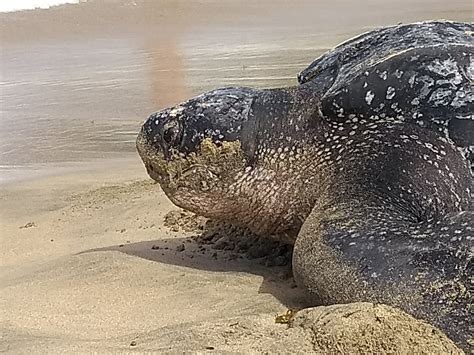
point(88, 263)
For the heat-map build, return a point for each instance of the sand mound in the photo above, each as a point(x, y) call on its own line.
point(357, 328)
point(370, 328)
point(237, 242)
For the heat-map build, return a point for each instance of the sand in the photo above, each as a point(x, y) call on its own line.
point(83, 271)
point(100, 261)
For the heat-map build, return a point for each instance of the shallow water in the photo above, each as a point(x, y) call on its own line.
point(78, 98)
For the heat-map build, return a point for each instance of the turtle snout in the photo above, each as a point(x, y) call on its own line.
point(151, 155)
point(144, 147)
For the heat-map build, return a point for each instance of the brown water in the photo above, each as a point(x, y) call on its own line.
point(77, 82)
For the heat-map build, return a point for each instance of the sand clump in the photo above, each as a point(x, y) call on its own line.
point(231, 241)
point(180, 220)
point(193, 170)
point(370, 328)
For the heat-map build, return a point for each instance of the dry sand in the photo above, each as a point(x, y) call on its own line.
point(82, 270)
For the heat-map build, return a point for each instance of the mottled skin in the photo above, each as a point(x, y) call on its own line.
point(377, 210)
point(419, 73)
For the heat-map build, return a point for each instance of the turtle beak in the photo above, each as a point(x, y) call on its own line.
point(142, 144)
point(144, 147)
point(148, 153)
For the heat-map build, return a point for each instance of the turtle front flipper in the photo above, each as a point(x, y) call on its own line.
point(424, 269)
point(394, 228)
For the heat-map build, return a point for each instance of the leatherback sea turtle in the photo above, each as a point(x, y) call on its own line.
point(377, 208)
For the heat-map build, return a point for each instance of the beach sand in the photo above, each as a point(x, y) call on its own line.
point(91, 258)
point(100, 261)
point(90, 266)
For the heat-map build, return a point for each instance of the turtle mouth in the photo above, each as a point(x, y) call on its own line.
point(203, 168)
point(182, 173)
point(179, 178)
point(159, 176)
point(167, 170)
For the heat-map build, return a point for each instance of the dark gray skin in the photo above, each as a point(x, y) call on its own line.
point(377, 211)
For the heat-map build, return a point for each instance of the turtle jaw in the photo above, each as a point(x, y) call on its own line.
point(198, 180)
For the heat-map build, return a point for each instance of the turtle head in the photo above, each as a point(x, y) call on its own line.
point(195, 149)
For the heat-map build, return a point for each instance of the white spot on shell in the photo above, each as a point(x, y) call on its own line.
point(369, 97)
point(176, 111)
point(390, 93)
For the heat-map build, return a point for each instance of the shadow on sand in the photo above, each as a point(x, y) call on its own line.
point(185, 252)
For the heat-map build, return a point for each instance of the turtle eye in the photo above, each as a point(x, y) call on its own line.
point(171, 133)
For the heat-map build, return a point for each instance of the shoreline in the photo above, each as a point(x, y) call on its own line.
point(21, 175)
